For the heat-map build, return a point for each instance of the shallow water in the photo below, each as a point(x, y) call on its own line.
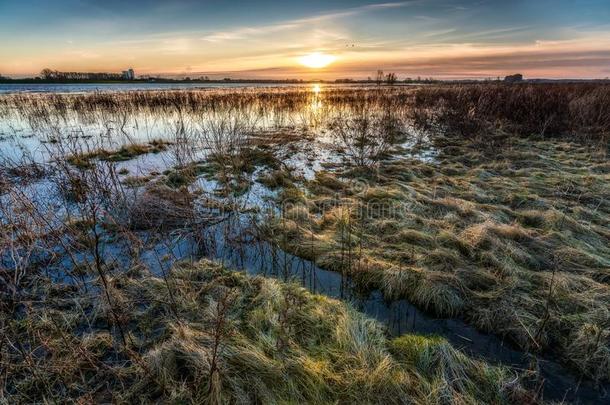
point(8, 88)
point(234, 241)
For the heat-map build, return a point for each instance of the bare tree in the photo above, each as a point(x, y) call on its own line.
point(221, 329)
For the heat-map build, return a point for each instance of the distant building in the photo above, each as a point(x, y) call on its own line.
point(516, 78)
point(129, 74)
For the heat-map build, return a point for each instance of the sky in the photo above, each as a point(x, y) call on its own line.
point(445, 39)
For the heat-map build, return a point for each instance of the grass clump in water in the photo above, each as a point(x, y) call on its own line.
point(126, 152)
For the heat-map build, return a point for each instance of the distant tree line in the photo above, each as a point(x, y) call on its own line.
point(390, 78)
point(48, 74)
point(516, 78)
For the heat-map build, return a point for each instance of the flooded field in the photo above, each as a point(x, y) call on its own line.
point(8, 88)
point(494, 242)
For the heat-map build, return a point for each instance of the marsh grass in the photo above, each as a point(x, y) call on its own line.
point(230, 339)
point(127, 152)
point(517, 244)
point(553, 110)
point(506, 227)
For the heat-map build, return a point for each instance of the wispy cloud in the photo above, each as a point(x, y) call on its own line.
point(240, 33)
point(441, 38)
point(246, 32)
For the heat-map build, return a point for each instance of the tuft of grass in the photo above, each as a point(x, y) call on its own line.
point(127, 152)
point(276, 179)
point(161, 207)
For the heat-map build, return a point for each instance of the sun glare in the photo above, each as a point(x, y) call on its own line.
point(316, 60)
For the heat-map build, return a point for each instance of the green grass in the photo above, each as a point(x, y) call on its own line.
point(514, 240)
point(278, 344)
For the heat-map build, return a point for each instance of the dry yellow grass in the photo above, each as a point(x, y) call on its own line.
point(519, 252)
point(222, 337)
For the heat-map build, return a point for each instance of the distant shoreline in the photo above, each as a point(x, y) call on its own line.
point(159, 81)
point(4, 80)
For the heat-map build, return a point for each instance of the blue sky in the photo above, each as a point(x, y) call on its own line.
point(439, 38)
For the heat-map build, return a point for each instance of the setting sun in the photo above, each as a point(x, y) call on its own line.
point(316, 60)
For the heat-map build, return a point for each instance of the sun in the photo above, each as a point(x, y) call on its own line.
point(316, 60)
